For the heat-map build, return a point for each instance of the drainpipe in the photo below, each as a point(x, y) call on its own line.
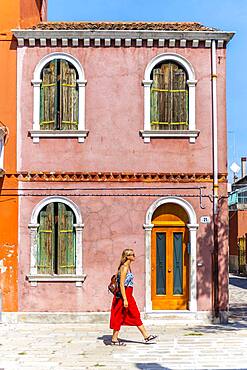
point(215, 179)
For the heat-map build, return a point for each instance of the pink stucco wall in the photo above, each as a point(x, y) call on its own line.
point(112, 223)
point(114, 115)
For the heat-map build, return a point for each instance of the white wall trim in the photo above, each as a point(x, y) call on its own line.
point(192, 226)
point(36, 82)
point(33, 277)
point(147, 83)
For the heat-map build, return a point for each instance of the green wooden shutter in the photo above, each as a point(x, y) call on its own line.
point(180, 97)
point(46, 240)
point(48, 97)
point(66, 240)
point(155, 99)
point(68, 97)
point(169, 98)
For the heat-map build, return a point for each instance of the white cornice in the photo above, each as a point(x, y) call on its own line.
point(109, 37)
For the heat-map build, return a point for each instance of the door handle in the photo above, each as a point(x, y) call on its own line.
point(169, 270)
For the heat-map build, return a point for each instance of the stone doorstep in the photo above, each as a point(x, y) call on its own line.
point(152, 318)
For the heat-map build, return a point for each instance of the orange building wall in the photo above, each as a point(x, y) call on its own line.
point(8, 205)
point(13, 14)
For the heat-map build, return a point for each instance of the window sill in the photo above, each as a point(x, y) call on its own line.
point(78, 279)
point(147, 135)
point(37, 134)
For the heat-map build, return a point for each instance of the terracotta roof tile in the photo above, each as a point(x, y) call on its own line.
point(157, 26)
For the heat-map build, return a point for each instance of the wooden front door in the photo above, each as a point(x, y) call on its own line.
point(169, 268)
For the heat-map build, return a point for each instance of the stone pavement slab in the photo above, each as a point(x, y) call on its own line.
point(74, 346)
point(81, 346)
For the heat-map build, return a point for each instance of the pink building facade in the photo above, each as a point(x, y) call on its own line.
point(118, 172)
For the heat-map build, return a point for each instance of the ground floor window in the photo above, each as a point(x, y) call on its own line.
point(56, 240)
point(56, 235)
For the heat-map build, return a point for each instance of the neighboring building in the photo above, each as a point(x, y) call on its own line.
point(13, 14)
point(115, 149)
point(238, 223)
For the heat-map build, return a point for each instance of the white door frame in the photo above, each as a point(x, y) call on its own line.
point(192, 226)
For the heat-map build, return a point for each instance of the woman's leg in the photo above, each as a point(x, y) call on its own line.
point(115, 335)
point(143, 331)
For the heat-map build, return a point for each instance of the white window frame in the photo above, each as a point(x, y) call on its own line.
point(36, 133)
point(33, 276)
point(147, 133)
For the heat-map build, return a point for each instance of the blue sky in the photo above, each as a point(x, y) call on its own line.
point(228, 15)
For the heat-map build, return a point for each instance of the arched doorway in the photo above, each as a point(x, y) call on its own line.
point(171, 221)
point(170, 258)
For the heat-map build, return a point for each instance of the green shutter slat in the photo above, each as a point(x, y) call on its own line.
point(48, 97)
point(66, 240)
point(69, 97)
point(46, 240)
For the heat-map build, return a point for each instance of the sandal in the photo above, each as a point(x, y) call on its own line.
point(117, 343)
point(150, 338)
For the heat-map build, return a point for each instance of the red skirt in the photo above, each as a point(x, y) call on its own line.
point(120, 315)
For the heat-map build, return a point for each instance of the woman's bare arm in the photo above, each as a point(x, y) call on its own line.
point(123, 273)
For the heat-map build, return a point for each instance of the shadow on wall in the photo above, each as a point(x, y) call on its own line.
point(39, 4)
point(205, 264)
point(223, 233)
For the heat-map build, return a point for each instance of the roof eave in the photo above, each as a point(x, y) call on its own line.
point(123, 34)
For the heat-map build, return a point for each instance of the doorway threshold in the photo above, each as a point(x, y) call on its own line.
point(177, 317)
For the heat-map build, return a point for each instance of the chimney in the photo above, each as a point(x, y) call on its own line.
point(243, 166)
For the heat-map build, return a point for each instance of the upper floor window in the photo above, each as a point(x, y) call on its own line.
point(169, 98)
point(59, 98)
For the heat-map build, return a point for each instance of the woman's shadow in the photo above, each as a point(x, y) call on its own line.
point(107, 341)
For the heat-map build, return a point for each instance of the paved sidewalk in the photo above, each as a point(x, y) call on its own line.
point(238, 297)
point(80, 346)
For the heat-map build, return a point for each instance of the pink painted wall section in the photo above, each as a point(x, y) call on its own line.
point(223, 254)
point(114, 115)
point(112, 223)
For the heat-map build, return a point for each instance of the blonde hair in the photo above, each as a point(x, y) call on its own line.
point(126, 252)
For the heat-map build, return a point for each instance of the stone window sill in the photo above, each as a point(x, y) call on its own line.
point(37, 134)
point(78, 279)
point(147, 135)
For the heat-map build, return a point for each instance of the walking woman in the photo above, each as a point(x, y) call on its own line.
point(124, 310)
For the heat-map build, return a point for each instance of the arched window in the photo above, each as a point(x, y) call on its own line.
point(56, 242)
point(59, 98)
point(169, 98)
point(56, 248)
